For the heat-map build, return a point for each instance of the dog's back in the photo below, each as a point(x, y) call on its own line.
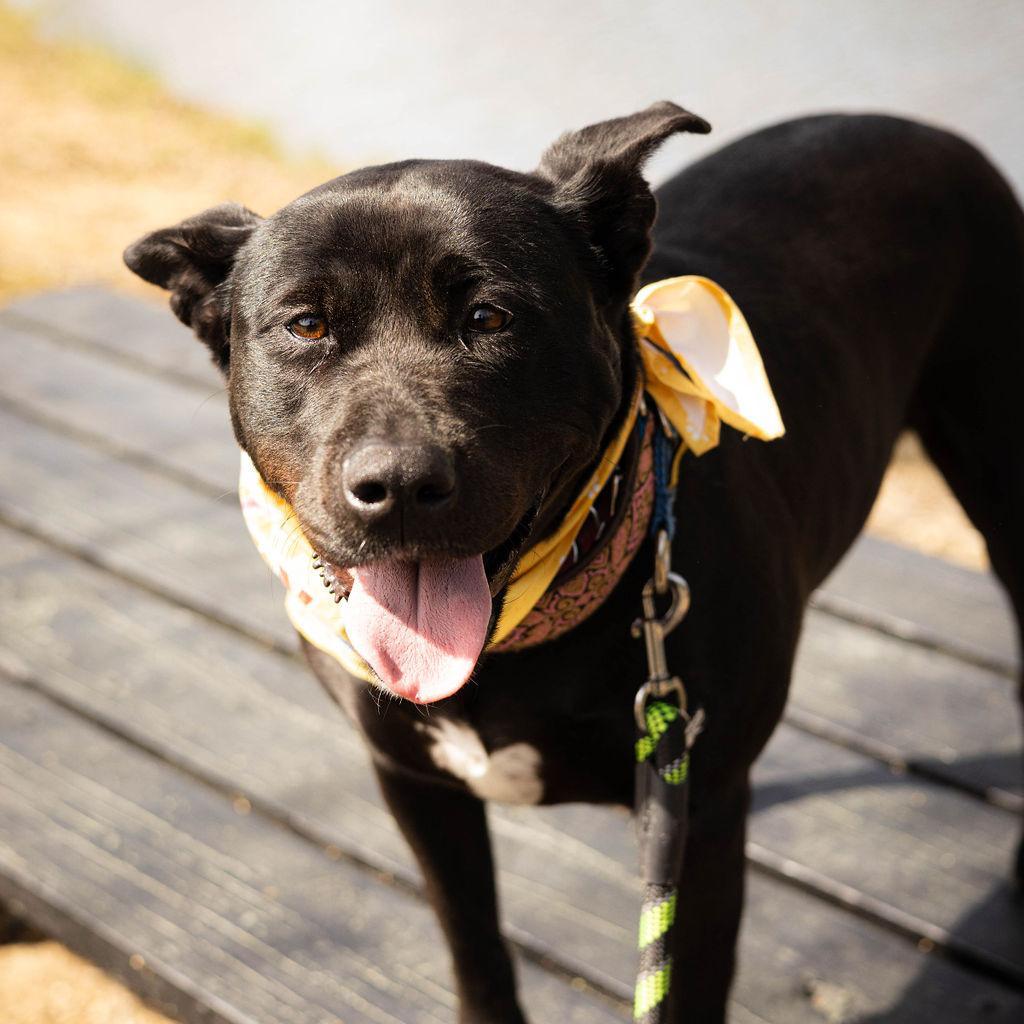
point(880, 263)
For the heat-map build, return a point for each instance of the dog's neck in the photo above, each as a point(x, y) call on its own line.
point(565, 491)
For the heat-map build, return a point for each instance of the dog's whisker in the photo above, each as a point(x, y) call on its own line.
point(212, 395)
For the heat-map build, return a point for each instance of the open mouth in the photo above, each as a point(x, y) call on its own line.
point(422, 625)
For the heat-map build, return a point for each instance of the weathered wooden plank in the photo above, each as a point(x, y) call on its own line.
point(927, 600)
point(121, 328)
point(965, 723)
point(934, 857)
point(795, 966)
point(126, 410)
point(246, 719)
point(907, 704)
point(892, 588)
point(227, 911)
point(139, 523)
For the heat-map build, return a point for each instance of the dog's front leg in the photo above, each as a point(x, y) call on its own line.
point(709, 909)
point(447, 830)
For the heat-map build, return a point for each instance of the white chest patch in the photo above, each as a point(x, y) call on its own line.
point(509, 775)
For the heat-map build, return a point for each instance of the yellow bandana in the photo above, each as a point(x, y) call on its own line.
point(700, 365)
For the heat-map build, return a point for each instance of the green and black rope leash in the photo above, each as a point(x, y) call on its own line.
point(665, 733)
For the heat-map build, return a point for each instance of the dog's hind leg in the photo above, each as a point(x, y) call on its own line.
point(988, 481)
point(447, 830)
point(969, 402)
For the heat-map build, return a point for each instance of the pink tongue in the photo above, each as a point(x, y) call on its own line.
point(420, 625)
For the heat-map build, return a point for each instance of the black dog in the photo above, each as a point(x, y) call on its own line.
point(426, 359)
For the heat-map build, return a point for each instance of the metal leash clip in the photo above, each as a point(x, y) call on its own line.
point(654, 628)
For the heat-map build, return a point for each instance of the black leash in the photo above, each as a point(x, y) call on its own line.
point(665, 733)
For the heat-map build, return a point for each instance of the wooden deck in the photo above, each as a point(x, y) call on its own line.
point(180, 802)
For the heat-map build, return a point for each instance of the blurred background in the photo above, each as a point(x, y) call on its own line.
point(363, 81)
point(120, 117)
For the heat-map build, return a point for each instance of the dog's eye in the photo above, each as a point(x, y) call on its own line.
point(486, 319)
point(308, 327)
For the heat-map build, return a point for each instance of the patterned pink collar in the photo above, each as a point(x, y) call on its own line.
point(602, 552)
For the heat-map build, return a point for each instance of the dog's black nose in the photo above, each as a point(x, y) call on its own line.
point(379, 478)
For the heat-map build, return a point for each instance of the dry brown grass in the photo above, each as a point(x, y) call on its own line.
point(93, 153)
point(916, 508)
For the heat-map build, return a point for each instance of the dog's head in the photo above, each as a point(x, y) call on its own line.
point(425, 359)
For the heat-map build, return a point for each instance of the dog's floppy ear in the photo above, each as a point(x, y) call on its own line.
point(598, 176)
point(192, 260)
